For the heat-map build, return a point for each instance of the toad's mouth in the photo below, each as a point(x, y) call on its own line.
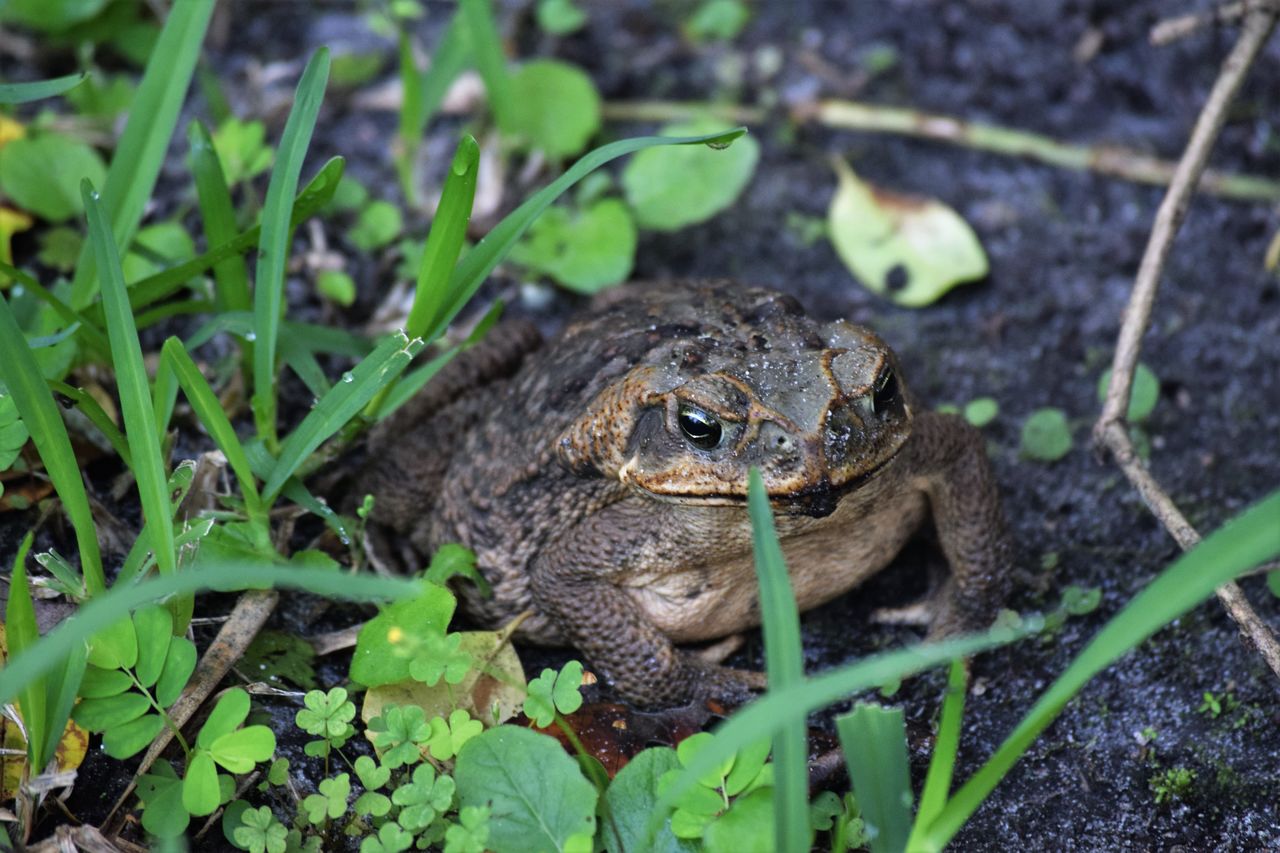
point(816, 500)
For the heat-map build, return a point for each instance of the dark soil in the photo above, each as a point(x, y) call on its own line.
point(1037, 332)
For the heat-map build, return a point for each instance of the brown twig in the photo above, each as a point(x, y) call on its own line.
point(1172, 29)
point(1110, 431)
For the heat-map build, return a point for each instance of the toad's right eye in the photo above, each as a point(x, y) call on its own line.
point(700, 428)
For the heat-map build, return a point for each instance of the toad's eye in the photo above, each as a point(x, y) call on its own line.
point(886, 393)
point(701, 429)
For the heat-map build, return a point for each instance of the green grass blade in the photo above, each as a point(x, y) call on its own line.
point(874, 740)
point(134, 388)
point(273, 248)
point(424, 92)
point(21, 670)
point(135, 166)
point(486, 47)
point(22, 93)
point(147, 291)
point(444, 242)
point(97, 416)
point(937, 784)
point(22, 634)
point(480, 261)
point(340, 405)
point(776, 710)
point(22, 376)
point(90, 332)
point(208, 409)
point(784, 664)
point(1251, 538)
point(216, 212)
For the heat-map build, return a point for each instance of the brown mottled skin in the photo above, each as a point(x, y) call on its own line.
point(571, 471)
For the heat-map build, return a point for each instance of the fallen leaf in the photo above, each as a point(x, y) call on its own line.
point(909, 248)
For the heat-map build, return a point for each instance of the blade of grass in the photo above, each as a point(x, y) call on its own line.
point(937, 784)
point(486, 47)
point(97, 416)
point(295, 491)
point(480, 261)
point(21, 634)
point(36, 90)
point(1249, 539)
point(874, 741)
point(424, 92)
point(273, 248)
point(90, 332)
point(776, 710)
point(785, 667)
point(105, 611)
point(209, 411)
point(145, 292)
point(340, 405)
point(308, 336)
point(22, 376)
point(444, 242)
point(218, 216)
point(135, 166)
point(133, 386)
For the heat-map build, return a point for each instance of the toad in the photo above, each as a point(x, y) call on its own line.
point(601, 478)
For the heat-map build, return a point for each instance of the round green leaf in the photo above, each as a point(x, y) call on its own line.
point(200, 791)
point(632, 796)
point(981, 411)
point(908, 248)
point(13, 433)
point(559, 17)
point(128, 740)
point(532, 782)
point(585, 251)
point(378, 224)
point(747, 827)
point(162, 815)
point(673, 186)
point(238, 751)
point(42, 174)
point(98, 683)
point(154, 627)
point(1046, 435)
point(225, 718)
point(115, 647)
point(337, 286)
point(554, 106)
point(178, 666)
point(98, 715)
point(1143, 394)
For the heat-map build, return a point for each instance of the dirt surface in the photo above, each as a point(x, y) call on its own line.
point(1037, 332)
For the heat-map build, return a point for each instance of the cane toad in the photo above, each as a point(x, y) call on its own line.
point(601, 478)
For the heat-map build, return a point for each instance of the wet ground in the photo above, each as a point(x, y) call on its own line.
point(1037, 332)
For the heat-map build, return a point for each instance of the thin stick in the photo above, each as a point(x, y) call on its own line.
point(1171, 29)
point(1112, 160)
point(1110, 431)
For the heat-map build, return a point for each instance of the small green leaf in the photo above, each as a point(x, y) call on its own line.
point(377, 225)
point(131, 738)
point(371, 774)
point(1143, 395)
point(226, 717)
point(1046, 436)
point(116, 647)
point(908, 248)
point(242, 149)
point(585, 251)
point(238, 751)
point(260, 832)
point(42, 174)
point(98, 715)
point(554, 107)
point(200, 790)
point(163, 814)
point(717, 20)
point(559, 17)
point(631, 798)
point(178, 666)
point(669, 188)
point(99, 683)
point(337, 286)
point(981, 411)
point(13, 433)
point(747, 827)
point(448, 737)
point(154, 628)
point(378, 659)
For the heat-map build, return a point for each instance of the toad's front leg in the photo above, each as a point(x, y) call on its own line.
point(574, 584)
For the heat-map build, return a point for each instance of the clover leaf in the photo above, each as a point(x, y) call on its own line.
point(261, 832)
point(471, 833)
point(399, 732)
point(554, 691)
point(331, 801)
point(439, 655)
point(423, 799)
point(447, 737)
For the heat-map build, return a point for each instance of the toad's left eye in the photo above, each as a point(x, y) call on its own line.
point(886, 393)
point(701, 429)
